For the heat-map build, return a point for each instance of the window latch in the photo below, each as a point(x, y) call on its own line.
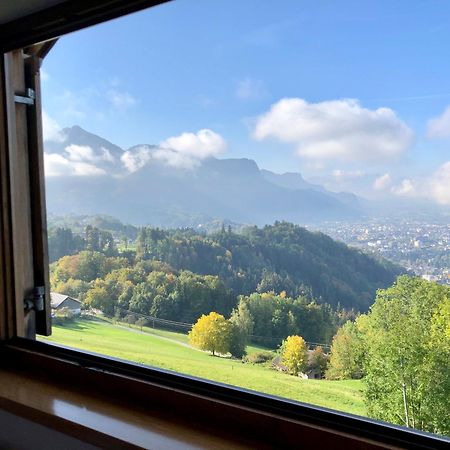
point(35, 300)
point(27, 99)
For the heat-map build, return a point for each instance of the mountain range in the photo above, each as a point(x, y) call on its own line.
point(147, 185)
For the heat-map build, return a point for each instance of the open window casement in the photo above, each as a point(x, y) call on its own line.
point(24, 278)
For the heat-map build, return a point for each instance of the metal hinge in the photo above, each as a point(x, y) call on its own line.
point(35, 300)
point(27, 99)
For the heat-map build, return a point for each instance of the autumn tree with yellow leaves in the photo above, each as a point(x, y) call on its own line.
point(294, 354)
point(211, 332)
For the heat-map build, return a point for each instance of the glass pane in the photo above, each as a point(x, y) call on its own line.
point(259, 195)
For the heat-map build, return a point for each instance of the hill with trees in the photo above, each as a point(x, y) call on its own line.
point(282, 279)
point(279, 257)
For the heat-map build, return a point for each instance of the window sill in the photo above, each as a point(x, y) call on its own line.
point(114, 404)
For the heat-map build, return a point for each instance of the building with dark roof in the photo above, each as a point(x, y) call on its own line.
point(60, 301)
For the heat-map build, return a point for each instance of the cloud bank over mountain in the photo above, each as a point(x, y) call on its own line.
point(179, 182)
point(64, 158)
point(361, 142)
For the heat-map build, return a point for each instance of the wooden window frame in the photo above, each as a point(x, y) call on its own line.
point(264, 420)
point(24, 264)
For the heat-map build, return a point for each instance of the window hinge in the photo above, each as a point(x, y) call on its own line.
point(35, 300)
point(27, 99)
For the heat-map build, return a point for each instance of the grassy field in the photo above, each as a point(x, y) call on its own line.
point(171, 351)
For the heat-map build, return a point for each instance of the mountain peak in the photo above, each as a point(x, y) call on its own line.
point(76, 135)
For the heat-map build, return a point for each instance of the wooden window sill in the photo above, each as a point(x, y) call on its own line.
point(99, 421)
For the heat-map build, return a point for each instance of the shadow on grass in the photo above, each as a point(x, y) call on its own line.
point(80, 324)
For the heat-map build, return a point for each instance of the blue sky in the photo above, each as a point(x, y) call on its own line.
point(226, 66)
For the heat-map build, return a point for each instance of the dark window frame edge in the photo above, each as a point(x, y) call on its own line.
point(66, 17)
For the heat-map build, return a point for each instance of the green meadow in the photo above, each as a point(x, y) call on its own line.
point(170, 350)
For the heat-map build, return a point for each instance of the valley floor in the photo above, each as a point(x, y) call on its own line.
point(171, 351)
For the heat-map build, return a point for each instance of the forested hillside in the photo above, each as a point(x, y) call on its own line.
point(281, 258)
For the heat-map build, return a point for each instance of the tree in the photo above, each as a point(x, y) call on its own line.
point(279, 316)
point(407, 352)
point(317, 361)
point(73, 288)
point(92, 237)
point(242, 327)
point(62, 242)
point(98, 297)
point(346, 357)
point(238, 341)
point(438, 400)
point(294, 354)
point(211, 333)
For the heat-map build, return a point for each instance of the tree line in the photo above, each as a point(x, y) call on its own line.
point(148, 287)
point(401, 349)
point(279, 257)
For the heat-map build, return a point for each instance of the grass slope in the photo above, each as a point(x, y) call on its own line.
point(170, 351)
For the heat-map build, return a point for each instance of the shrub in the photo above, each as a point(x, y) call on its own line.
point(130, 319)
point(62, 316)
point(141, 322)
point(258, 357)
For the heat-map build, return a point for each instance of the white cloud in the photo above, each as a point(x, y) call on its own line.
point(51, 129)
point(85, 153)
point(405, 188)
point(137, 158)
point(58, 165)
point(382, 182)
point(106, 155)
point(342, 175)
point(184, 151)
point(435, 186)
point(340, 130)
point(250, 89)
point(200, 145)
point(439, 127)
point(80, 153)
point(176, 159)
point(440, 184)
point(120, 100)
point(77, 160)
point(86, 169)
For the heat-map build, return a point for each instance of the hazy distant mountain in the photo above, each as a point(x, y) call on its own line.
point(78, 136)
point(143, 186)
point(294, 181)
point(290, 180)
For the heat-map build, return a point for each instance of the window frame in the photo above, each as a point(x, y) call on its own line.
point(69, 16)
point(271, 419)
